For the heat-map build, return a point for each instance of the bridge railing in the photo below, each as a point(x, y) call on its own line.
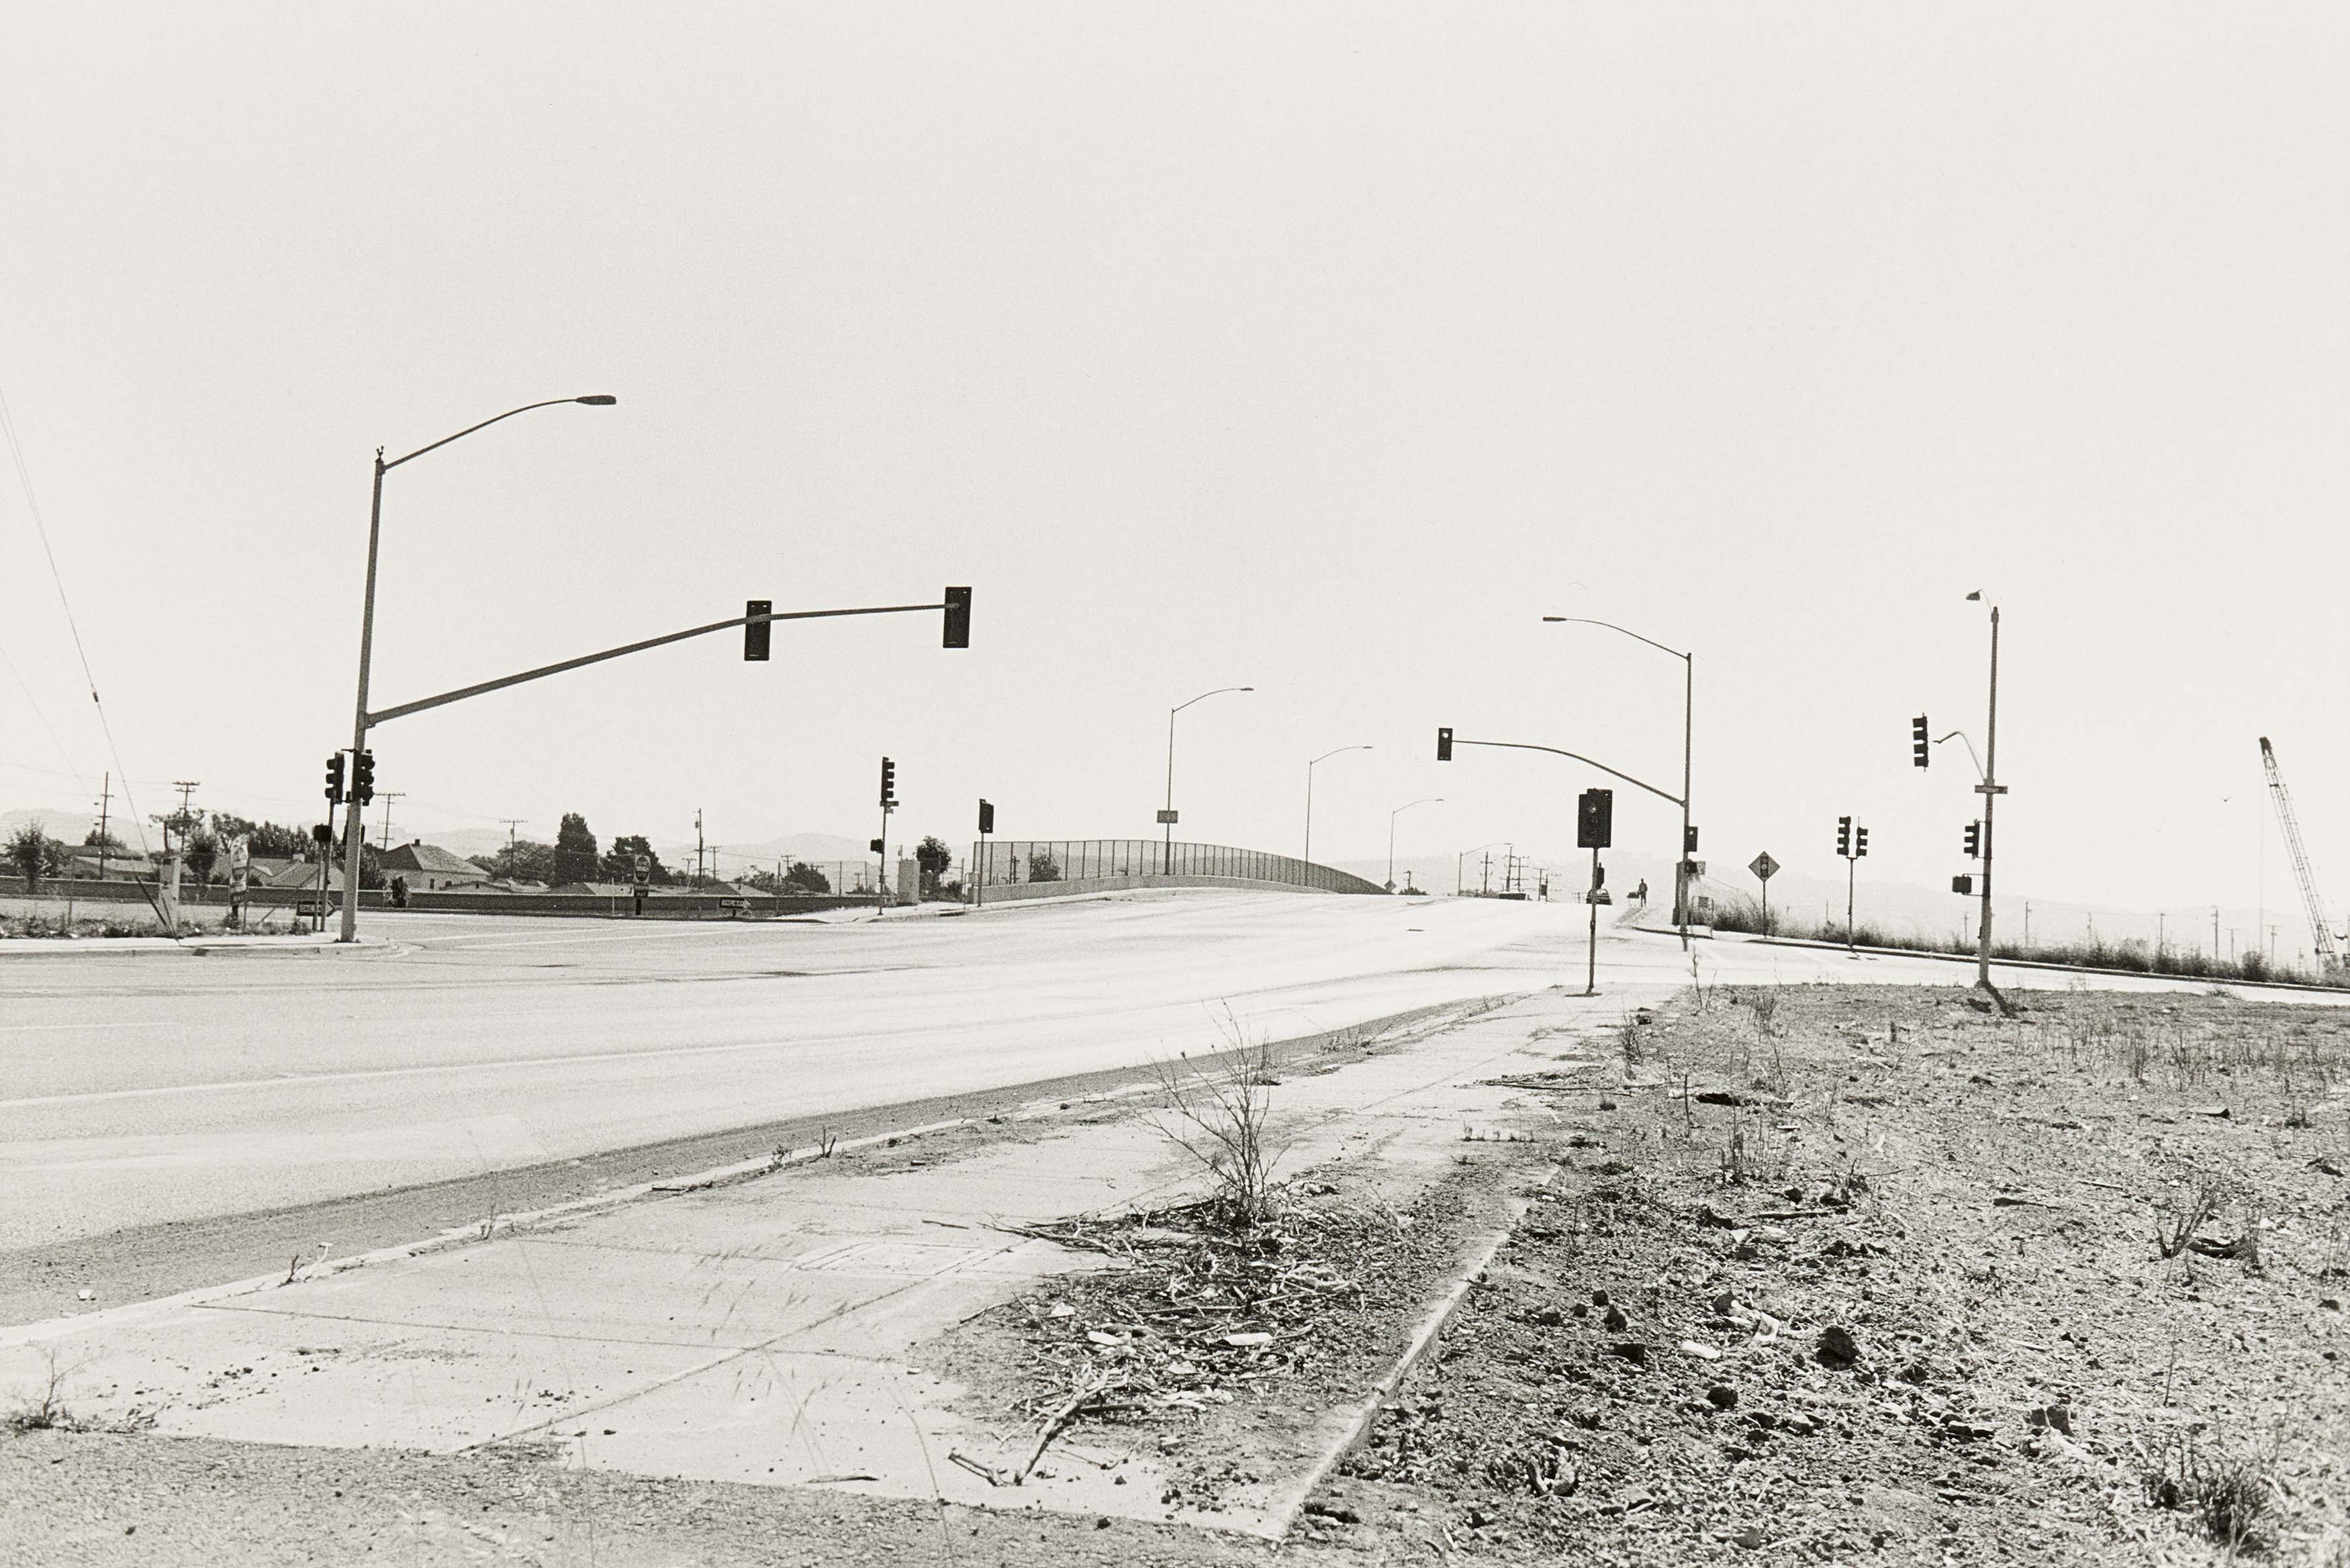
point(1081, 864)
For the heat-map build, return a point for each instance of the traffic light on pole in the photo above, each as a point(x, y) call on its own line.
point(755, 632)
point(889, 783)
point(1920, 750)
point(1594, 819)
point(986, 818)
point(1844, 836)
point(958, 623)
point(362, 776)
point(1688, 841)
point(1859, 842)
point(335, 779)
point(1443, 745)
point(1974, 840)
point(874, 845)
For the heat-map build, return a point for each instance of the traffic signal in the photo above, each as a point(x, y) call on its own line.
point(1443, 744)
point(1962, 884)
point(362, 776)
point(755, 632)
point(1688, 841)
point(1594, 819)
point(1920, 753)
point(1844, 836)
point(1974, 840)
point(322, 832)
point(986, 818)
point(957, 624)
point(875, 846)
point(889, 783)
point(1859, 842)
point(335, 779)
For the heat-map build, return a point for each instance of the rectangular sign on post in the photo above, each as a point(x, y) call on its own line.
point(1594, 819)
point(1166, 818)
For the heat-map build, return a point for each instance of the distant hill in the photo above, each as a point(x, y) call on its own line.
point(69, 826)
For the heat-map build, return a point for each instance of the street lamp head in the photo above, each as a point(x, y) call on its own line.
point(1976, 594)
point(599, 400)
point(1554, 619)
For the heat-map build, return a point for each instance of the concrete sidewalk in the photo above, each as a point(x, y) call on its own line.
point(765, 1331)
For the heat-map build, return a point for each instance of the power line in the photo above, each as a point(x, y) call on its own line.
point(33, 506)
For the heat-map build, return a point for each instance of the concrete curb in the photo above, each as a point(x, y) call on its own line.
point(131, 947)
point(1475, 1256)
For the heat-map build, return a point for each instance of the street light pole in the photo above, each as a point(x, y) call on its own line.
point(1309, 794)
point(1166, 854)
point(1689, 722)
point(1430, 800)
point(354, 837)
point(1990, 790)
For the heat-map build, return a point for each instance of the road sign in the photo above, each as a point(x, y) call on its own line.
point(644, 870)
point(1166, 818)
point(1763, 866)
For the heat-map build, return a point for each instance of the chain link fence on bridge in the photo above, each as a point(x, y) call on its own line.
point(1022, 862)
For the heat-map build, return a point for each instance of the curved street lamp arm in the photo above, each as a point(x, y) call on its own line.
point(1203, 696)
point(1554, 751)
point(1611, 626)
point(1328, 755)
point(1961, 736)
point(469, 430)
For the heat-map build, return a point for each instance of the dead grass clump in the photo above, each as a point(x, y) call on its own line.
point(1221, 1112)
point(44, 1412)
point(2184, 1204)
point(2226, 1491)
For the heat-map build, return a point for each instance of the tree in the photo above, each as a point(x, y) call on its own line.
point(34, 855)
point(933, 857)
point(523, 860)
point(1042, 866)
point(94, 839)
point(201, 849)
point(575, 850)
point(267, 839)
point(802, 878)
point(620, 861)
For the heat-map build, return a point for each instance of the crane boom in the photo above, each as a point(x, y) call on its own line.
point(2328, 958)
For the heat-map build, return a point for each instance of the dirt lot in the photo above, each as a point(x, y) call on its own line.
point(1837, 1274)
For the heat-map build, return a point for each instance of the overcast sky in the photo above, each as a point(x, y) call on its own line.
point(1318, 349)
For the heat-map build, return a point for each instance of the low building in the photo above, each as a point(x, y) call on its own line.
point(429, 869)
point(82, 860)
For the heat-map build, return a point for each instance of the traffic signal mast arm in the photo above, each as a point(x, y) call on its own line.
point(388, 714)
point(1577, 756)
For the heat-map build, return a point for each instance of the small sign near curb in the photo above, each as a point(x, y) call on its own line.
point(1763, 866)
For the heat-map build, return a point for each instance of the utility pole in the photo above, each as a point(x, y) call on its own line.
point(697, 849)
point(387, 796)
point(514, 852)
point(105, 800)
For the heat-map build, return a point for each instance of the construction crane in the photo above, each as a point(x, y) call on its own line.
point(2329, 957)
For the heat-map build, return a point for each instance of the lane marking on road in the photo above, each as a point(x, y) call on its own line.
point(138, 1024)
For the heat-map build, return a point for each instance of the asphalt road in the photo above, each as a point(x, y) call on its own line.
point(170, 1086)
point(143, 1091)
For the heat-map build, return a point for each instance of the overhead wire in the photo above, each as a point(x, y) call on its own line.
point(41, 527)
